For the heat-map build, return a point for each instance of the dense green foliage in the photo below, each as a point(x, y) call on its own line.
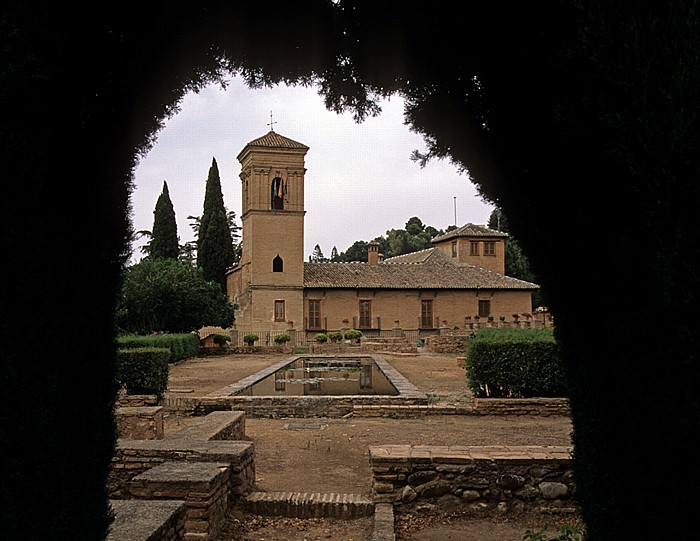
point(414, 237)
point(250, 338)
point(282, 338)
point(143, 370)
point(352, 334)
point(164, 241)
point(514, 363)
point(215, 249)
point(181, 346)
point(164, 295)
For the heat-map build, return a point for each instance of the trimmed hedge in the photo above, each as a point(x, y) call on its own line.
point(143, 370)
point(181, 346)
point(514, 363)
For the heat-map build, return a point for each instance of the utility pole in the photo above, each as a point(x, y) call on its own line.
point(455, 201)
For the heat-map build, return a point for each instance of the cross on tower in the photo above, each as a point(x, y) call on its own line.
point(271, 123)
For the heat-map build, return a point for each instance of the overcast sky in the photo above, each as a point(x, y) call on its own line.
point(360, 180)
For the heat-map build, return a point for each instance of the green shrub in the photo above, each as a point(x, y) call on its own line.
point(353, 334)
point(221, 339)
point(321, 337)
point(181, 346)
point(335, 336)
point(250, 338)
point(514, 363)
point(143, 370)
point(284, 337)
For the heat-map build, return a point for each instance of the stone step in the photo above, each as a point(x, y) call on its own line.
point(308, 504)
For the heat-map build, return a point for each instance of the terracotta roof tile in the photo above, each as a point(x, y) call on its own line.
point(273, 139)
point(435, 271)
point(470, 230)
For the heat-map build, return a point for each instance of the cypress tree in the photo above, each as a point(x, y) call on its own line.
point(164, 241)
point(215, 252)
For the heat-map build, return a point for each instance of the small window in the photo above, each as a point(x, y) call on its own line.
point(365, 314)
point(454, 248)
point(473, 248)
point(277, 264)
point(489, 248)
point(277, 190)
point(426, 314)
point(279, 311)
point(484, 308)
point(314, 314)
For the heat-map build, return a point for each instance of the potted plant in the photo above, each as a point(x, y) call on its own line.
point(335, 336)
point(282, 339)
point(221, 339)
point(353, 335)
point(321, 338)
point(250, 339)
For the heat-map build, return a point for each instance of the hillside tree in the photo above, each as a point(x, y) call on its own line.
point(215, 249)
point(164, 243)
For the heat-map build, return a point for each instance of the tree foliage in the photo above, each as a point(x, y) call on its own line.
point(215, 250)
point(164, 241)
point(414, 237)
point(164, 295)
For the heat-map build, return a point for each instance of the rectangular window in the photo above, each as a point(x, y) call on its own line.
point(489, 248)
point(314, 314)
point(454, 248)
point(484, 308)
point(473, 248)
point(365, 314)
point(279, 311)
point(426, 314)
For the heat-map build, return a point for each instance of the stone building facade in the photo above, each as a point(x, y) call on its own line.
point(459, 279)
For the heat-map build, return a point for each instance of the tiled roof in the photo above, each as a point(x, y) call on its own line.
point(413, 257)
point(273, 139)
point(470, 230)
point(434, 271)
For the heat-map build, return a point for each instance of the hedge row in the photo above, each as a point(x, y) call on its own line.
point(143, 370)
point(515, 363)
point(181, 346)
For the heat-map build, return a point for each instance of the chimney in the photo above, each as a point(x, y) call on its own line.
point(373, 253)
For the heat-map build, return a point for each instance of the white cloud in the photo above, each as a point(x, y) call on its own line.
point(360, 180)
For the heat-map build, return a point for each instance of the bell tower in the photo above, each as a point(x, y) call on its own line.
point(268, 282)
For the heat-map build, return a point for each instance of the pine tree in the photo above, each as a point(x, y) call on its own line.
point(215, 251)
point(317, 255)
point(164, 242)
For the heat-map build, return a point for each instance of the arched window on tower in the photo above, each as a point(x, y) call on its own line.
point(277, 194)
point(277, 264)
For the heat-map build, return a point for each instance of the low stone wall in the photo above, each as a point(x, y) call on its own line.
point(452, 479)
point(136, 400)
point(218, 425)
point(447, 343)
point(274, 407)
point(162, 520)
point(203, 486)
point(522, 406)
point(140, 423)
point(133, 457)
